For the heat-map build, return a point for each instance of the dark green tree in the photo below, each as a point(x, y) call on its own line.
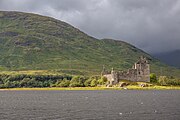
point(153, 78)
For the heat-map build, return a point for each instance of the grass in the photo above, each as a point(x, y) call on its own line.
point(31, 72)
point(34, 42)
point(154, 88)
point(66, 88)
point(130, 87)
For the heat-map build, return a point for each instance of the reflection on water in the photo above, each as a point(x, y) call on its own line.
point(62, 105)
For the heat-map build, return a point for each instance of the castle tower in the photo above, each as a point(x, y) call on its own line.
point(143, 70)
point(114, 77)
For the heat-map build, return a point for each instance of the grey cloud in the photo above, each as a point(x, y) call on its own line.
point(152, 25)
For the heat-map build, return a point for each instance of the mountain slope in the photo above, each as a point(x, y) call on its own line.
point(170, 58)
point(30, 41)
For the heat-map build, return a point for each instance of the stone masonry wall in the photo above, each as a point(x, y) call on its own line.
point(139, 72)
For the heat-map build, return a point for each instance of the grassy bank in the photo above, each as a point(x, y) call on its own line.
point(156, 87)
point(101, 88)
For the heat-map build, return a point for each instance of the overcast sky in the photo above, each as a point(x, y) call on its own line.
point(152, 25)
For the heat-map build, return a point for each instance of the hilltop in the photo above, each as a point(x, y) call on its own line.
point(34, 42)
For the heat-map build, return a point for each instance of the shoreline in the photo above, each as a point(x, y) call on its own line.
point(96, 88)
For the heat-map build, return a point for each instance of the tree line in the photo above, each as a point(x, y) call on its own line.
point(164, 80)
point(23, 80)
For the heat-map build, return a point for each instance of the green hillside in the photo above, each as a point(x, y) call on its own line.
point(34, 42)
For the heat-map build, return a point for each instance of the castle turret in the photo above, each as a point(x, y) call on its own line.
point(143, 70)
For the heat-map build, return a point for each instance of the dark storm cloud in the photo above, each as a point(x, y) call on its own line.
point(153, 25)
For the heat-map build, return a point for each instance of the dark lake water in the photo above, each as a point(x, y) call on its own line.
point(89, 105)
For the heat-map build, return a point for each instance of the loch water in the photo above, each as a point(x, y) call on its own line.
point(90, 105)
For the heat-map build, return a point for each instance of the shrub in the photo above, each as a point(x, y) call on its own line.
point(77, 81)
point(8, 84)
point(173, 82)
point(94, 83)
point(176, 82)
point(24, 82)
point(64, 83)
point(102, 81)
point(87, 83)
point(164, 80)
point(153, 78)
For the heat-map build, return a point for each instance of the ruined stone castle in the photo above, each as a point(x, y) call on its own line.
point(140, 71)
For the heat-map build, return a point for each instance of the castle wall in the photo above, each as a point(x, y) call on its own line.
point(139, 72)
point(131, 75)
point(112, 78)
